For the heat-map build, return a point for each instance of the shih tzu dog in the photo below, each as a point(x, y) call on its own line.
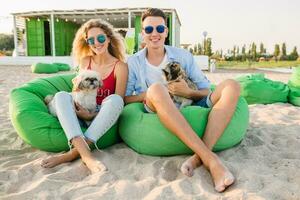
point(85, 87)
point(173, 73)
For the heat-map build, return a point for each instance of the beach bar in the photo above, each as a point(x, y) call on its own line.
point(51, 33)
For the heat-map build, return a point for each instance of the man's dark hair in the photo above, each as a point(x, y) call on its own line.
point(153, 12)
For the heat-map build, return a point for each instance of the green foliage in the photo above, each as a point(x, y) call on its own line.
point(253, 51)
point(262, 49)
point(293, 55)
point(208, 50)
point(253, 65)
point(199, 49)
point(6, 42)
point(276, 50)
point(283, 49)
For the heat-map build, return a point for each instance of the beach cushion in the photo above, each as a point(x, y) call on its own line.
point(257, 89)
point(35, 125)
point(295, 78)
point(144, 132)
point(44, 68)
point(62, 66)
point(294, 96)
point(294, 84)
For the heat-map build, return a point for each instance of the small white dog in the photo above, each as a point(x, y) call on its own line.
point(85, 86)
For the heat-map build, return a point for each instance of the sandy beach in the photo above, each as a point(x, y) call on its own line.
point(266, 164)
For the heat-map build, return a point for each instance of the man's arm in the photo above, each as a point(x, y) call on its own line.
point(181, 88)
point(135, 98)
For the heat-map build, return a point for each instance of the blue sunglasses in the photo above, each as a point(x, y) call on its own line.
point(101, 38)
point(159, 29)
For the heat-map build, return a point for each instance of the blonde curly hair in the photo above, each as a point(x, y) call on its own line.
point(81, 49)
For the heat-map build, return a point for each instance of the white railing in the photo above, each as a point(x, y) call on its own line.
point(29, 60)
point(202, 61)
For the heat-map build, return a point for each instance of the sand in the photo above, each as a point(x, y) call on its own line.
point(266, 164)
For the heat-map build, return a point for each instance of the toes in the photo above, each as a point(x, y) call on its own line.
point(187, 170)
point(220, 188)
point(229, 180)
point(44, 163)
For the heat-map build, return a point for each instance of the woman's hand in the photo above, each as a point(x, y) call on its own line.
point(180, 88)
point(83, 113)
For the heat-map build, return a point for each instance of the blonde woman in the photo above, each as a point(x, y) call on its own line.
point(96, 47)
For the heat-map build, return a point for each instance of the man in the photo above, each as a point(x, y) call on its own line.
point(145, 84)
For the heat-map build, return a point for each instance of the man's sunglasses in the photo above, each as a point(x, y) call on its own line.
point(159, 29)
point(101, 38)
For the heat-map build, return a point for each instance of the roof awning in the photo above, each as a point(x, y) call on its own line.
point(118, 17)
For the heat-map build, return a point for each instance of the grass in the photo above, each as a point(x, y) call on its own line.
point(253, 65)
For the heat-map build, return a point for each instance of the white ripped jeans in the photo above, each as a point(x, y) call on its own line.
point(107, 116)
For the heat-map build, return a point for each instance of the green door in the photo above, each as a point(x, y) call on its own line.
point(35, 37)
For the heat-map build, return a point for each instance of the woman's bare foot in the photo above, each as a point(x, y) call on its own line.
point(187, 168)
point(222, 177)
point(54, 161)
point(94, 165)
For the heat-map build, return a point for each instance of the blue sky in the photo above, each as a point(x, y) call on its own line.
point(228, 23)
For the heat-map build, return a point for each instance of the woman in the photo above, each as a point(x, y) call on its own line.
point(96, 47)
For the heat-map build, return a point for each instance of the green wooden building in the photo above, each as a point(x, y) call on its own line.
point(51, 33)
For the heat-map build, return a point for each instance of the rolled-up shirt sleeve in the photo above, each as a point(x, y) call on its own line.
point(131, 78)
point(195, 74)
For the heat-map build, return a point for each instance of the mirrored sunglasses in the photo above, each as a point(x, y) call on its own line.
point(159, 29)
point(101, 38)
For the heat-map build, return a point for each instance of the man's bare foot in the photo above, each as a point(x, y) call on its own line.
point(94, 165)
point(187, 168)
point(222, 177)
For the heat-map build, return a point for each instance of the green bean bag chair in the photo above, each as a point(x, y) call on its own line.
point(44, 68)
point(144, 133)
point(294, 96)
point(35, 125)
point(62, 66)
point(295, 78)
point(294, 84)
point(257, 89)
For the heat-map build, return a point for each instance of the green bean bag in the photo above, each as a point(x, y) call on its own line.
point(144, 133)
point(295, 78)
point(46, 68)
point(257, 89)
point(34, 124)
point(294, 96)
point(62, 66)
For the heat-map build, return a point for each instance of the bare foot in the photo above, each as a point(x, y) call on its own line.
point(222, 177)
point(53, 161)
point(59, 159)
point(94, 165)
point(187, 168)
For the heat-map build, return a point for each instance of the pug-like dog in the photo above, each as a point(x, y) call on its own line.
point(173, 73)
point(84, 92)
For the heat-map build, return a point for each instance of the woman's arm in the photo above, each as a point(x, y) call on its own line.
point(121, 74)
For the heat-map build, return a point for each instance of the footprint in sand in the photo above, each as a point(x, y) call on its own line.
point(169, 170)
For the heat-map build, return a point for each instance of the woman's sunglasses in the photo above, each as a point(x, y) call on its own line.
point(159, 29)
point(101, 38)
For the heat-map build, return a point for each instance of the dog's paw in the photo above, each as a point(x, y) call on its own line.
point(48, 98)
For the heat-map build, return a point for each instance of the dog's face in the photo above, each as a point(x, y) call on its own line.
point(173, 72)
point(87, 80)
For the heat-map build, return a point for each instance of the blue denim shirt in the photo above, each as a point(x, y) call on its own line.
point(136, 83)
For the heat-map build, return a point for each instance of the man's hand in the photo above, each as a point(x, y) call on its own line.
point(180, 88)
point(83, 113)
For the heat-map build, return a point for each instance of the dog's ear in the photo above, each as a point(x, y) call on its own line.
point(76, 81)
point(100, 83)
point(165, 72)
